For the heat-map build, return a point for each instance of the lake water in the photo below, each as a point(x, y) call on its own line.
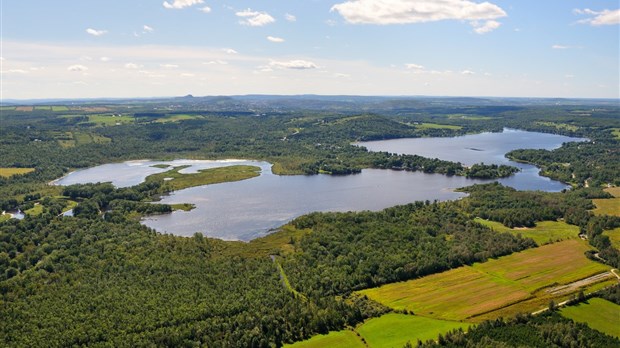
point(489, 148)
point(251, 208)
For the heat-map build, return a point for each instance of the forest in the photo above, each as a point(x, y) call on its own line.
point(100, 278)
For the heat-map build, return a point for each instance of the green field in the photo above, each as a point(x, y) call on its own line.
point(7, 108)
point(178, 181)
point(335, 339)
point(501, 287)
point(545, 231)
point(109, 120)
point(394, 330)
point(616, 132)
point(44, 108)
point(8, 172)
point(36, 210)
point(609, 206)
point(389, 330)
point(176, 118)
point(59, 108)
point(469, 117)
point(436, 126)
point(598, 314)
point(561, 126)
point(614, 237)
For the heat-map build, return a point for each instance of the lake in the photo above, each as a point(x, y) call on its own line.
point(248, 209)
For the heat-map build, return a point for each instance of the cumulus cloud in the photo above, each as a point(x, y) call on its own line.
point(179, 4)
point(419, 11)
point(254, 18)
point(230, 51)
point(15, 71)
point(560, 47)
point(275, 39)
point(104, 59)
point(205, 9)
point(147, 29)
point(77, 67)
point(132, 66)
point(605, 17)
point(214, 62)
point(467, 72)
point(289, 17)
point(414, 66)
point(297, 64)
point(169, 66)
point(486, 27)
point(95, 32)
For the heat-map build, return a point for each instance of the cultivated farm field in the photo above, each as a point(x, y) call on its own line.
point(545, 231)
point(598, 313)
point(521, 282)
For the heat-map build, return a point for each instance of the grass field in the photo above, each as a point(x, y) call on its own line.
point(59, 108)
point(614, 237)
point(500, 287)
point(34, 211)
point(180, 181)
point(389, 330)
point(616, 132)
point(545, 231)
point(8, 172)
point(610, 206)
point(109, 120)
point(394, 330)
point(469, 117)
point(7, 108)
point(176, 118)
point(599, 314)
point(44, 108)
point(335, 339)
point(561, 126)
point(436, 126)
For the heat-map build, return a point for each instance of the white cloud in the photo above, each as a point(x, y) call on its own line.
point(132, 66)
point(213, 62)
point(230, 51)
point(205, 9)
point(414, 66)
point(488, 26)
point(275, 39)
point(289, 17)
point(415, 11)
point(560, 47)
point(2, 59)
point(147, 29)
point(187, 75)
point(255, 18)
point(605, 17)
point(467, 72)
point(179, 4)
point(294, 64)
point(15, 71)
point(77, 67)
point(169, 66)
point(95, 32)
point(104, 59)
point(341, 75)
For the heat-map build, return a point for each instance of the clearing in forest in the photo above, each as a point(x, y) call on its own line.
point(500, 287)
point(608, 206)
point(8, 172)
point(389, 330)
point(598, 313)
point(545, 231)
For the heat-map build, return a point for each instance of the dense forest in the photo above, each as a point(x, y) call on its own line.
point(100, 278)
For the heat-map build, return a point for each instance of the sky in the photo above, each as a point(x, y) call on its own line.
point(155, 48)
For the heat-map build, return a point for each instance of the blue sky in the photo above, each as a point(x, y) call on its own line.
point(148, 48)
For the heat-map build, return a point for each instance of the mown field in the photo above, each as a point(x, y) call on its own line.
point(545, 231)
point(501, 287)
point(614, 237)
point(389, 330)
point(8, 172)
point(437, 126)
point(610, 206)
point(599, 314)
